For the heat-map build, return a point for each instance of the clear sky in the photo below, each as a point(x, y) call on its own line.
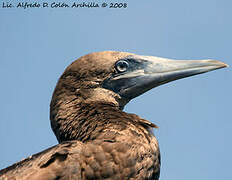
point(194, 114)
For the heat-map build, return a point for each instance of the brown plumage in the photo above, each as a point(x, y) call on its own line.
point(97, 139)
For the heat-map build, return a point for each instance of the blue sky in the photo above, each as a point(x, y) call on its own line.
point(194, 114)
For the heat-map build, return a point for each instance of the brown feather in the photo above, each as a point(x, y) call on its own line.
point(97, 139)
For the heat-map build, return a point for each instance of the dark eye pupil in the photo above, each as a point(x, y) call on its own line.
point(122, 66)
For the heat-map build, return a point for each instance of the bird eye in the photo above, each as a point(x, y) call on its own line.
point(121, 66)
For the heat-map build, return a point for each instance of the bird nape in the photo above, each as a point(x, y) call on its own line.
point(97, 139)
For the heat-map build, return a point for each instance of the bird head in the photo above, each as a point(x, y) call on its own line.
point(119, 77)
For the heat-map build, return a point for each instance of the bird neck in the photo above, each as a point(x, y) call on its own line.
point(75, 119)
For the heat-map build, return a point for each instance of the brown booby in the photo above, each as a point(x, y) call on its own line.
point(97, 139)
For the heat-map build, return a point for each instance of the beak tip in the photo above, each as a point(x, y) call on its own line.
point(220, 64)
point(224, 65)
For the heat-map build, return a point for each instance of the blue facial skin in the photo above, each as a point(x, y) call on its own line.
point(119, 85)
point(133, 64)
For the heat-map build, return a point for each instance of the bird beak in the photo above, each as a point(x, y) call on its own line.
point(154, 71)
